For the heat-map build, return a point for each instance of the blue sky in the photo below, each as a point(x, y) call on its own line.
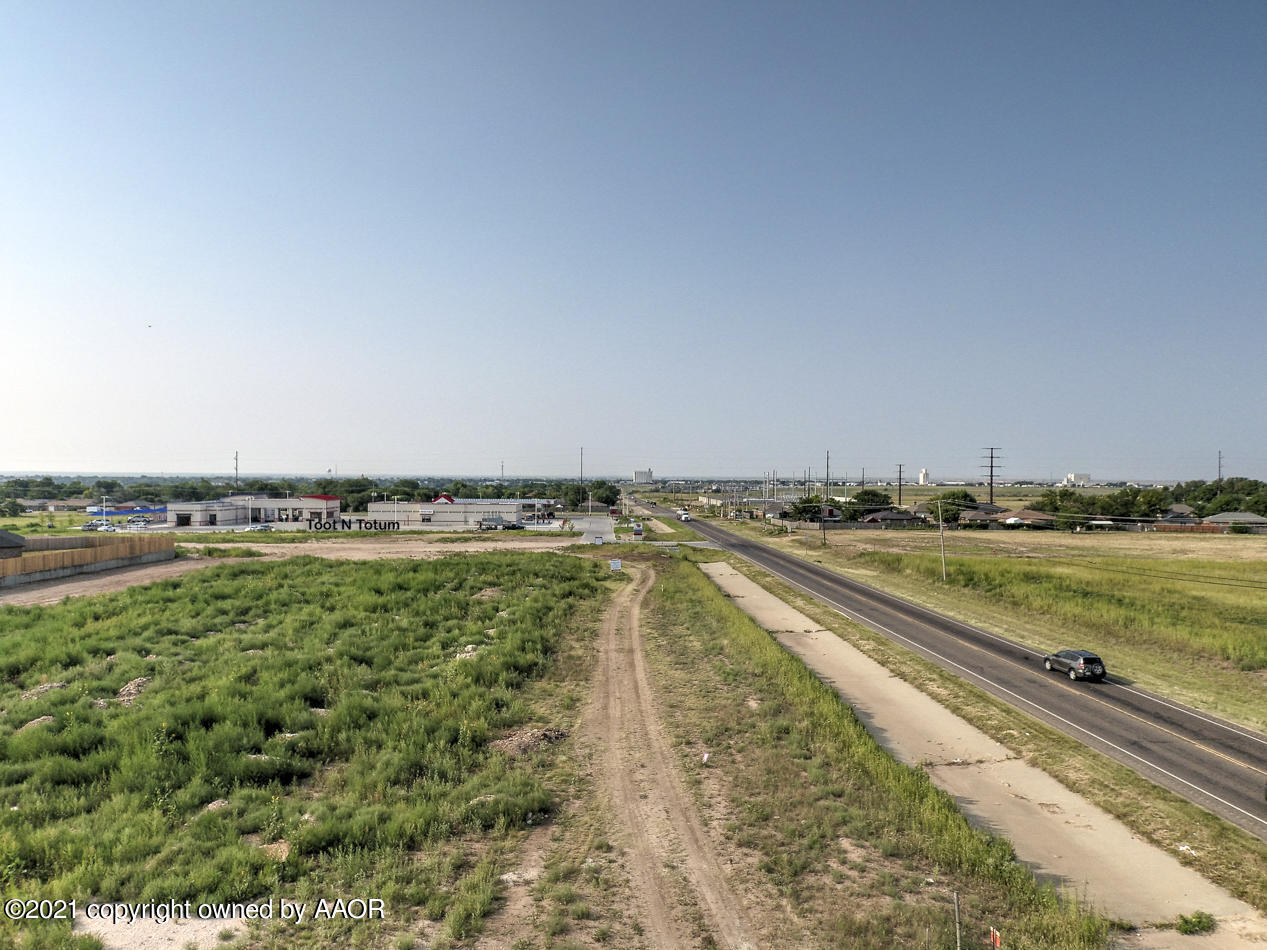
point(704, 238)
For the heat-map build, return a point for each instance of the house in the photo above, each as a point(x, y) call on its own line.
point(1230, 518)
point(1026, 516)
point(891, 518)
point(975, 517)
point(1179, 514)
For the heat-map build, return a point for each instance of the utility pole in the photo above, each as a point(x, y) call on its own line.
point(862, 482)
point(235, 468)
point(992, 466)
point(941, 527)
point(1220, 467)
point(822, 509)
point(899, 484)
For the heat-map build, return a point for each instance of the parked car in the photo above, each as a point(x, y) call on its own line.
point(1078, 664)
point(139, 519)
point(259, 527)
point(89, 526)
point(107, 527)
point(512, 526)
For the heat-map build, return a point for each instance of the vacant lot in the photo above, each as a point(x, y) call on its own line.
point(303, 729)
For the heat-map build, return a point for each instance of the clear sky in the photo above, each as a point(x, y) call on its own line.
point(712, 238)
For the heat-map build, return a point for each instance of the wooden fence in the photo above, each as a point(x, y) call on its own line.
point(76, 552)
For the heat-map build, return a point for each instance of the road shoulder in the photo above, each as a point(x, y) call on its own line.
point(1057, 832)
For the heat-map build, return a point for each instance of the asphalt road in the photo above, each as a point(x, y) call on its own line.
point(1215, 764)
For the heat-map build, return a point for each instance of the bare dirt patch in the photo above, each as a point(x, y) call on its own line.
point(672, 862)
point(131, 690)
point(528, 740)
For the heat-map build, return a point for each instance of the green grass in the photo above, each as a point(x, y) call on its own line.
point(1195, 642)
point(1139, 601)
point(1231, 858)
point(803, 774)
point(1198, 922)
point(324, 702)
point(210, 550)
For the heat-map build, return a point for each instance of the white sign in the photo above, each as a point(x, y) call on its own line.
point(615, 564)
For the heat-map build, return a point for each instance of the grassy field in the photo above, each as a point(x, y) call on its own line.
point(867, 852)
point(300, 729)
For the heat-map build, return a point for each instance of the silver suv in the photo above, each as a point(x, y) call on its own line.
point(1078, 664)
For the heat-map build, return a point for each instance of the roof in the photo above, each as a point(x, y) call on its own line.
point(322, 497)
point(1181, 509)
point(1236, 517)
point(891, 516)
point(10, 540)
point(1027, 514)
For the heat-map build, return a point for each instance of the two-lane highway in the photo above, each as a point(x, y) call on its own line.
point(1216, 764)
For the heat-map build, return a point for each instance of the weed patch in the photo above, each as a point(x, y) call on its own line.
point(830, 819)
point(335, 708)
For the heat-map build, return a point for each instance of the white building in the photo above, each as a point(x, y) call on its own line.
point(643, 476)
point(923, 476)
point(447, 511)
point(251, 509)
point(1076, 480)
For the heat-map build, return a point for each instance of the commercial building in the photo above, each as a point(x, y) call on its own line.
point(449, 512)
point(251, 509)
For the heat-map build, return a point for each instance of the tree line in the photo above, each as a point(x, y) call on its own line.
point(356, 493)
point(1205, 498)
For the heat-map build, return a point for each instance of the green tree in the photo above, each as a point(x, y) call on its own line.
point(809, 508)
point(952, 503)
point(605, 493)
point(865, 501)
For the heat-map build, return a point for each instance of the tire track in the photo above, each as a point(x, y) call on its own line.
point(648, 796)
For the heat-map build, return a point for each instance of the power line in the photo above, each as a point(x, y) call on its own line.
point(1210, 579)
point(991, 466)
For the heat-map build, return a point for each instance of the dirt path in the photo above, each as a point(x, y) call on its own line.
point(653, 810)
point(1058, 833)
point(86, 585)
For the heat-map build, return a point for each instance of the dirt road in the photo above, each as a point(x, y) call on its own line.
point(654, 813)
point(86, 585)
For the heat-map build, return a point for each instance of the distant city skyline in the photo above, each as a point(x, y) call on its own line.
point(717, 237)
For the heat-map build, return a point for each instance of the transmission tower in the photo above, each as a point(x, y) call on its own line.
point(991, 466)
